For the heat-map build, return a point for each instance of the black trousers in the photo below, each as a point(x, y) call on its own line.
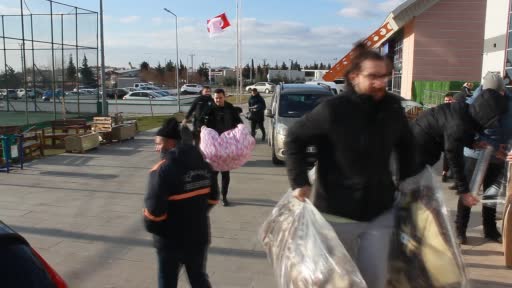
point(170, 261)
point(225, 182)
point(492, 177)
point(260, 125)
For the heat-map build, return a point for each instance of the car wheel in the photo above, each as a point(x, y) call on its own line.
point(267, 91)
point(275, 160)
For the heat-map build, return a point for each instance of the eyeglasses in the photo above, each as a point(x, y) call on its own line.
point(376, 77)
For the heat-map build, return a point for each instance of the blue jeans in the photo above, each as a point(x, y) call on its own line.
point(170, 261)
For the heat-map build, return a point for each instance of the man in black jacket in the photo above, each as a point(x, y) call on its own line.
point(200, 109)
point(177, 203)
point(222, 117)
point(355, 135)
point(465, 93)
point(257, 108)
point(449, 127)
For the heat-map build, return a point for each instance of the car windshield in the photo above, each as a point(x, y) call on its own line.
point(163, 93)
point(296, 105)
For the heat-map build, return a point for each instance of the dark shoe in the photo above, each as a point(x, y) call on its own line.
point(225, 202)
point(493, 235)
point(462, 239)
point(263, 138)
point(444, 178)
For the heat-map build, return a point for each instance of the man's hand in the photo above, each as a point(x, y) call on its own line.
point(480, 145)
point(502, 153)
point(509, 156)
point(469, 199)
point(302, 193)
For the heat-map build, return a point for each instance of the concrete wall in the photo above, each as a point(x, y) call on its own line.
point(497, 16)
point(449, 40)
point(408, 60)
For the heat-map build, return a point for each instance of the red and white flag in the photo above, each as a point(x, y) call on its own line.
point(217, 24)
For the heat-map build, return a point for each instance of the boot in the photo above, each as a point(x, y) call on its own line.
point(461, 222)
point(225, 201)
point(263, 137)
point(444, 178)
point(489, 223)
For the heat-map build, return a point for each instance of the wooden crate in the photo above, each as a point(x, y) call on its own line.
point(102, 124)
point(124, 132)
point(81, 143)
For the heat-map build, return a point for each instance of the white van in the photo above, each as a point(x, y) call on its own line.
point(335, 88)
point(138, 85)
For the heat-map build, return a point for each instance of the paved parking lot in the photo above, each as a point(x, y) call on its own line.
point(83, 213)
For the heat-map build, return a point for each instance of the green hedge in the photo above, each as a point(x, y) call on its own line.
point(432, 92)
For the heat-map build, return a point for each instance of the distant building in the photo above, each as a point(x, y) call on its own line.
point(286, 76)
point(497, 54)
point(311, 75)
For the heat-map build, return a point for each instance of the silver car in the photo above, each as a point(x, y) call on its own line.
point(289, 103)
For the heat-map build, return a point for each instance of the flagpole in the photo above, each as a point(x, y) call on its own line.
point(240, 52)
point(237, 69)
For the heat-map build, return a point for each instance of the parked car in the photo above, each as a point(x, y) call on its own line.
point(121, 92)
point(333, 86)
point(149, 88)
point(289, 103)
point(130, 89)
point(48, 94)
point(163, 93)
point(262, 87)
point(147, 95)
point(21, 265)
point(9, 93)
point(191, 89)
point(138, 85)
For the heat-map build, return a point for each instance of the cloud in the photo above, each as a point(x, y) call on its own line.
point(4, 10)
point(129, 19)
point(275, 40)
point(367, 8)
point(157, 20)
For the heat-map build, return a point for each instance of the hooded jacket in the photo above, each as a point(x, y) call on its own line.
point(178, 199)
point(450, 127)
point(355, 137)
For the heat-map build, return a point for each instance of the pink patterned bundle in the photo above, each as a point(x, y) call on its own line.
point(228, 151)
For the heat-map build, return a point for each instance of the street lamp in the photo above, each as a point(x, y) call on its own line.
point(177, 61)
point(290, 71)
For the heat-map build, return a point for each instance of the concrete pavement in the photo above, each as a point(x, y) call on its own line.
point(83, 214)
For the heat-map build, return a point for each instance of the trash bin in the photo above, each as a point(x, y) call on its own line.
point(99, 106)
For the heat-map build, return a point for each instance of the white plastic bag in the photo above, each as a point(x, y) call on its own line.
point(424, 252)
point(304, 249)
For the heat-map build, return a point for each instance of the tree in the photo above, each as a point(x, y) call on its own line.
point(182, 69)
point(253, 71)
point(203, 72)
point(160, 70)
point(246, 71)
point(322, 66)
point(329, 66)
point(10, 79)
point(71, 69)
point(229, 81)
point(144, 66)
point(169, 66)
point(283, 66)
point(86, 73)
point(259, 73)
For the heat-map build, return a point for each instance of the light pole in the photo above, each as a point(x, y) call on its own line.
point(177, 61)
point(104, 111)
point(290, 71)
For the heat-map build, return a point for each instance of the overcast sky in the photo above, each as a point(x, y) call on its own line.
point(279, 30)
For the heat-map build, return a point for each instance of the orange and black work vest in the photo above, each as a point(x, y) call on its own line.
point(178, 198)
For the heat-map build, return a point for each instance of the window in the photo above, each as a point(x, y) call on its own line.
point(508, 61)
point(296, 105)
point(397, 67)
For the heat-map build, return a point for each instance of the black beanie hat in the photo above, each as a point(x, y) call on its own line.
point(170, 129)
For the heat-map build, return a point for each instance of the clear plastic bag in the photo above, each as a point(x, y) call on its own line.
point(424, 252)
point(304, 249)
point(495, 194)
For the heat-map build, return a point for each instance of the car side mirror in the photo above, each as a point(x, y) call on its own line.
point(268, 113)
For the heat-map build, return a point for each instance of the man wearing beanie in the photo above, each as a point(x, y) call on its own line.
point(450, 127)
point(177, 203)
point(495, 171)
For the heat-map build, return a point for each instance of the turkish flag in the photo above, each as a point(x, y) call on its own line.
point(217, 24)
